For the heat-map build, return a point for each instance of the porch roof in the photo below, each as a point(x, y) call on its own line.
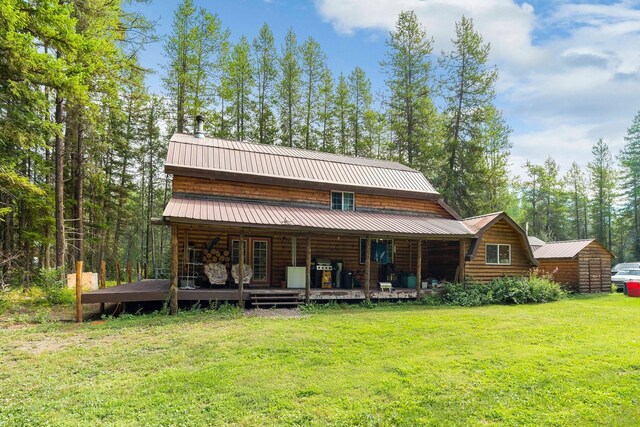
point(290, 218)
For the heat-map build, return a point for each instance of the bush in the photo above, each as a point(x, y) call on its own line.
point(502, 290)
point(55, 291)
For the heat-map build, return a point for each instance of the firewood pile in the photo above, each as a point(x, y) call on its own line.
point(213, 255)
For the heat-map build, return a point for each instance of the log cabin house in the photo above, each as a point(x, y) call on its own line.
point(314, 226)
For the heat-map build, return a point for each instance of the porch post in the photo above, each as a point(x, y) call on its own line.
point(419, 270)
point(307, 282)
point(367, 270)
point(461, 262)
point(173, 286)
point(241, 270)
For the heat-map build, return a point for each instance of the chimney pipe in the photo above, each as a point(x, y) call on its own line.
point(526, 228)
point(199, 133)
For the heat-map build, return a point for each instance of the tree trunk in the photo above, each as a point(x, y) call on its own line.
point(59, 182)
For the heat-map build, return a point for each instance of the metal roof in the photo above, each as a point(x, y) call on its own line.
point(260, 161)
point(477, 223)
point(234, 213)
point(534, 241)
point(566, 249)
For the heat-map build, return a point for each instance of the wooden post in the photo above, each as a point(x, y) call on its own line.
point(173, 285)
point(307, 282)
point(241, 270)
point(128, 272)
point(118, 282)
point(461, 263)
point(103, 279)
point(419, 270)
point(79, 292)
point(367, 270)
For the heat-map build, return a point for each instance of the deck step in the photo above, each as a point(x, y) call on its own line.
point(263, 299)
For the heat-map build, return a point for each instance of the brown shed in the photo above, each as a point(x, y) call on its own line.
point(582, 266)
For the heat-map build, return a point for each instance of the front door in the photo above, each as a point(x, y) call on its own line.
point(257, 254)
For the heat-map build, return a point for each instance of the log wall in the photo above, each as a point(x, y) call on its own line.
point(563, 271)
point(503, 233)
point(213, 187)
point(594, 263)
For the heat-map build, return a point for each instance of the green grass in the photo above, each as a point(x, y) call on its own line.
point(573, 362)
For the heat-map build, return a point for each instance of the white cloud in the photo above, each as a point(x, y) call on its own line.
point(576, 81)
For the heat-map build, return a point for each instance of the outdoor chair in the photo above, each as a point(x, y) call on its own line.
point(247, 272)
point(217, 273)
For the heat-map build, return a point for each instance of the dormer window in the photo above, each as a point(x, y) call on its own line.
point(342, 201)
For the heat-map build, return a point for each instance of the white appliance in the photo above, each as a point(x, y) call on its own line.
point(296, 277)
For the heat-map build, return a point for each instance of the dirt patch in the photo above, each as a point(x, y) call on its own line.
point(48, 345)
point(275, 312)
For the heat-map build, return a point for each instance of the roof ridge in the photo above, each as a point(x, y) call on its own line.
point(195, 141)
point(483, 216)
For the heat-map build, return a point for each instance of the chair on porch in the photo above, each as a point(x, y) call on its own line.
point(247, 272)
point(217, 273)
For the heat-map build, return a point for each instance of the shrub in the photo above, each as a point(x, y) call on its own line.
point(55, 291)
point(502, 290)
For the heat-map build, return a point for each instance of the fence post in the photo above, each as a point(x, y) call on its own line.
point(118, 273)
point(103, 279)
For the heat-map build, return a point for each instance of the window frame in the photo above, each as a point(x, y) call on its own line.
point(486, 252)
point(342, 193)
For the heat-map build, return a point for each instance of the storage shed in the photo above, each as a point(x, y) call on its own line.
point(582, 266)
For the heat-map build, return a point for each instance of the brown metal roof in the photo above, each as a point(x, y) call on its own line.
point(566, 249)
point(187, 154)
point(287, 217)
point(477, 223)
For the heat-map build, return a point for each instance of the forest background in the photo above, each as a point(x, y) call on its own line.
point(83, 139)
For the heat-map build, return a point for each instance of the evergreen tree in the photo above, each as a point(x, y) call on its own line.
point(327, 112)
point(630, 164)
point(468, 90)
point(265, 61)
point(494, 188)
point(343, 109)
point(241, 85)
point(289, 91)
point(412, 115)
point(313, 63)
point(602, 183)
point(360, 102)
point(576, 190)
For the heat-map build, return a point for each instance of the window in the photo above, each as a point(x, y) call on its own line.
point(498, 254)
point(342, 201)
point(381, 251)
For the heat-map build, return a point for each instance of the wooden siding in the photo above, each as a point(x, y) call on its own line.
point(563, 271)
point(588, 272)
point(594, 269)
point(501, 233)
point(212, 187)
point(439, 259)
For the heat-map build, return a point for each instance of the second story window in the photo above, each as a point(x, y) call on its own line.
point(342, 201)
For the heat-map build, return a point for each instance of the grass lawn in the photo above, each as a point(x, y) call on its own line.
point(574, 362)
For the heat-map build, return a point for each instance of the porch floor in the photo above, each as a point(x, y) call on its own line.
point(158, 290)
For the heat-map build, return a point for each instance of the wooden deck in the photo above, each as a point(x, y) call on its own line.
point(158, 290)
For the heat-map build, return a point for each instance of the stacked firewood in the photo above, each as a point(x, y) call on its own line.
point(213, 255)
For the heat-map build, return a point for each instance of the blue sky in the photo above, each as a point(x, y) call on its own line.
point(569, 70)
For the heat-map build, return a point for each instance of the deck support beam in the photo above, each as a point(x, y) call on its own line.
point(419, 270)
point(79, 292)
point(307, 281)
point(367, 271)
point(103, 279)
point(241, 270)
point(173, 286)
point(461, 263)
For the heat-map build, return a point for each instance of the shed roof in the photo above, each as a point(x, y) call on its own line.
point(244, 213)
point(564, 249)
point(259, 163)
point(535, 243)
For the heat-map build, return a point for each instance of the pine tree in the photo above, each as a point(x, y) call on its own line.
point(241, 85)
point(313, 64)
point(326, 115)
point(360, 101)
point(576, 189)
point(342, 107)
point(289, 91)
point(494, 188)
point(412, 115)
point(602, 183)
point(468, 90)
point(265, 61)
point(630, 164)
